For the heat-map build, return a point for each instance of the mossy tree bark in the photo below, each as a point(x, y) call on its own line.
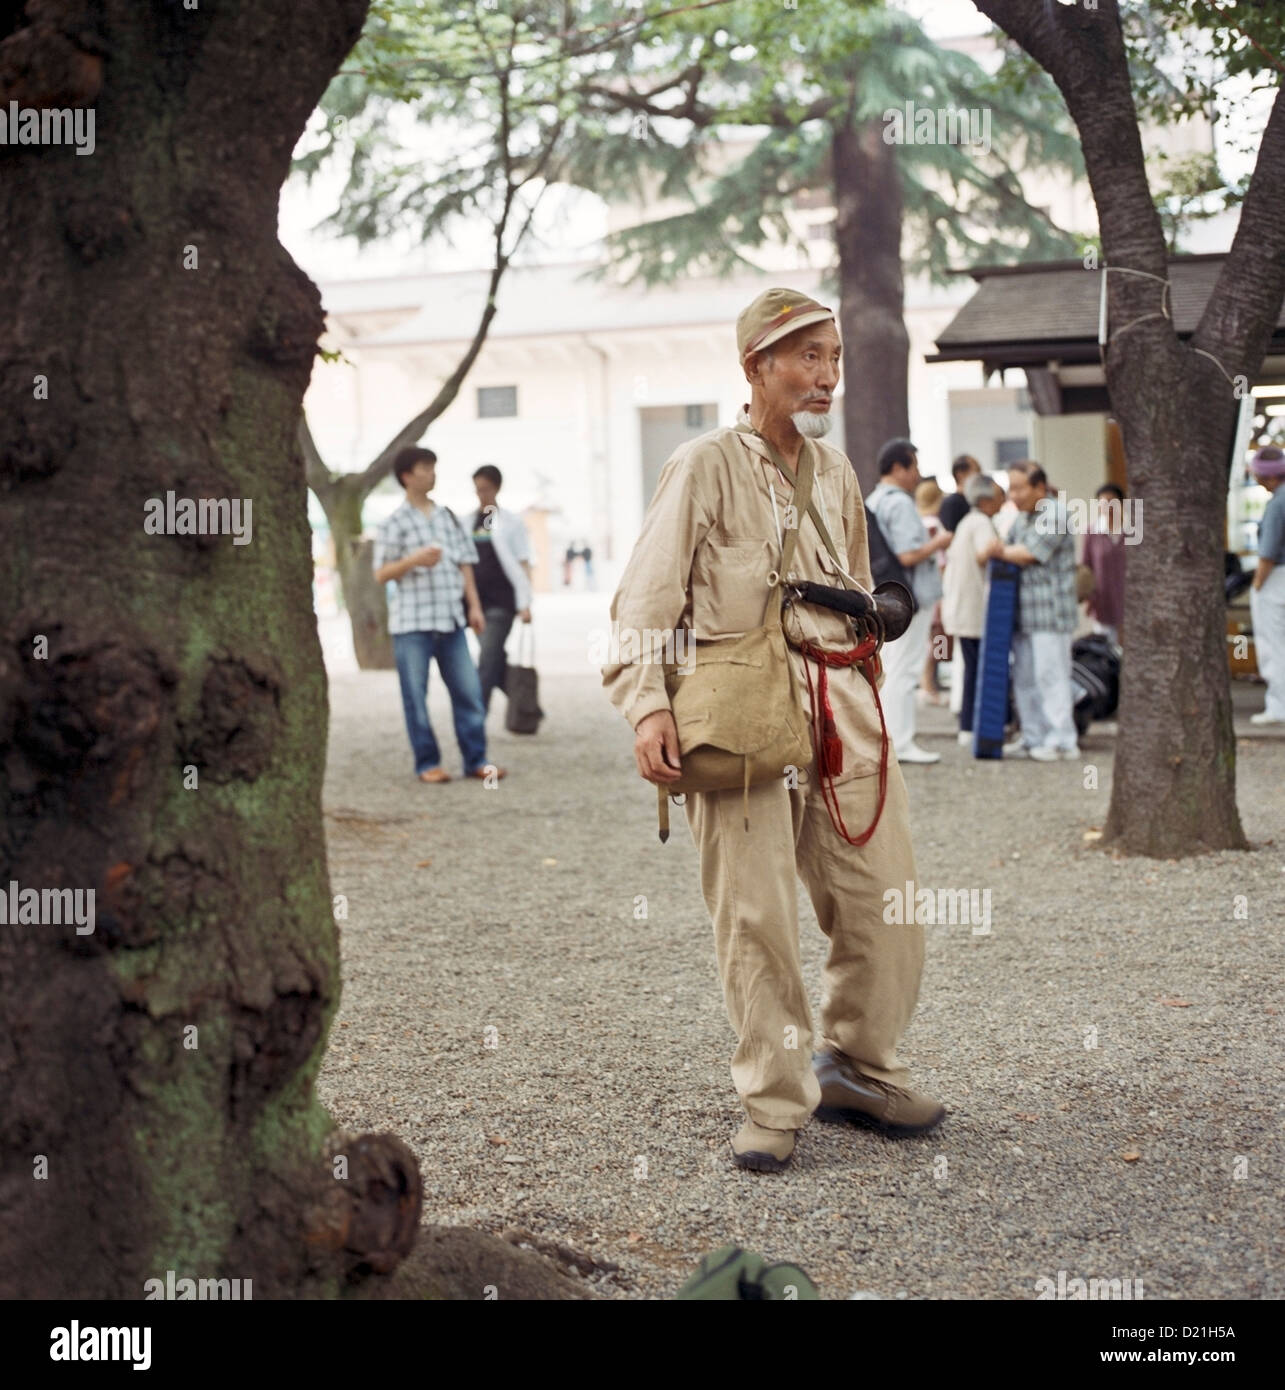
point(162, 697)
point(1174, 789)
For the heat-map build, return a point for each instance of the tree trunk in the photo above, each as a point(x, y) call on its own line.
point(1174, 784)
point(364, 599)
point(367, 607)
point(876, 345)
point(162, 697)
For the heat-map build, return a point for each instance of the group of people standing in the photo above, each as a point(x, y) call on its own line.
point(947, 565)
point(444, 579)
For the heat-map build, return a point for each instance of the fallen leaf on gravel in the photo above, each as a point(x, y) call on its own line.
point(1092, 836)
point(550, 861)
point(1177, 1003)
point(1021, 1115)
point(1066, 1105)
point(634, 1237)
point(1131, 1155)
point(495, 1139)
point(1270, 1011)
point(423, 863)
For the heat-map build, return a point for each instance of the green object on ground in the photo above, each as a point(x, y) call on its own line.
point(732, 1274)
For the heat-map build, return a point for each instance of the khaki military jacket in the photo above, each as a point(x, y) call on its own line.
point(701, 563)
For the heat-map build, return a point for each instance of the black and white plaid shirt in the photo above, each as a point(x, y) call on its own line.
point(425, 600)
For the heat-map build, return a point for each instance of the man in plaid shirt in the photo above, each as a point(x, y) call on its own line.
point(1041, 543)
point(423, 550)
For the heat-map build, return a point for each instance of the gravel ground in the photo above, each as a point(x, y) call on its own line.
point(1109, 1054)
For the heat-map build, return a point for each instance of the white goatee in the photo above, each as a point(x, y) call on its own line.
point(810, 425)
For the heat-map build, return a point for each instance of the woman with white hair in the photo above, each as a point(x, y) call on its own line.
point(963, 604)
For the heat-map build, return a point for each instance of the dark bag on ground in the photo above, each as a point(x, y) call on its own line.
point(884, 566)
point(730, 1274)
point(522, 686)
point(1095, 679)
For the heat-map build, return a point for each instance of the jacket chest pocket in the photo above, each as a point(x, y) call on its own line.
point(729, 587)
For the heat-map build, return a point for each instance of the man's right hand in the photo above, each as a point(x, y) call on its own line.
point(656, 748)
point(426, 557)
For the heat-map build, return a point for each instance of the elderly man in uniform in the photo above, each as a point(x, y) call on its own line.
point(705, 562)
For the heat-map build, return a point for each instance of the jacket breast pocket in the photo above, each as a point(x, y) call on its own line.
point(729, 587)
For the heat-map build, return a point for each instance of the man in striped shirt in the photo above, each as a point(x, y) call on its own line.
point(424, 552)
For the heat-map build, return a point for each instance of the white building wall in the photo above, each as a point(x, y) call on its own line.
point(1072, 450)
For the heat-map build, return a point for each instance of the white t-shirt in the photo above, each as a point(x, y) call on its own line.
point(963, 605)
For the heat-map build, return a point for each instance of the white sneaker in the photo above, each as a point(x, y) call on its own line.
point(1042, 753)
point(1016, 749)
point(915, 754)
point(1071, 755)
point(964, 740)
point(1265, 718)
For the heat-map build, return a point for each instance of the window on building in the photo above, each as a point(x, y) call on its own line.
point(496, 401)
point(696, 417)
point(1009, 451)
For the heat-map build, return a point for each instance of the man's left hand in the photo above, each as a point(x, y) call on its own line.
point(525, 615)
point(476, 620)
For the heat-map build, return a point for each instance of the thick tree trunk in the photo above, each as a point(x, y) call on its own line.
point(876, 345)
point(162, 698)
point(1174, 785)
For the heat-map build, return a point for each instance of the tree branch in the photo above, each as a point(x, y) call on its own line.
point(316, 473)
point(1084, 53)
point(776, 114)
point(413, 429)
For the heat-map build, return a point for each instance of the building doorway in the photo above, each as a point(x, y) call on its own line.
point(663, 428)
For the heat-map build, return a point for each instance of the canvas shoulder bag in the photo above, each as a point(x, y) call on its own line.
point(739, 712)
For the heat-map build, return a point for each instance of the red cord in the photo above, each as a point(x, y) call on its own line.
point(829, 748)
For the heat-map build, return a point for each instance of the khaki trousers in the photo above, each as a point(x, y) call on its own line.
point(873, 969)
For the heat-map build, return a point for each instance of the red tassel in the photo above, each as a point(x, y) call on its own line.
point(831, 750)
point(830, 747)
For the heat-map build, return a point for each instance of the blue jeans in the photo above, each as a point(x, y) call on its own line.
point(414, 652)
